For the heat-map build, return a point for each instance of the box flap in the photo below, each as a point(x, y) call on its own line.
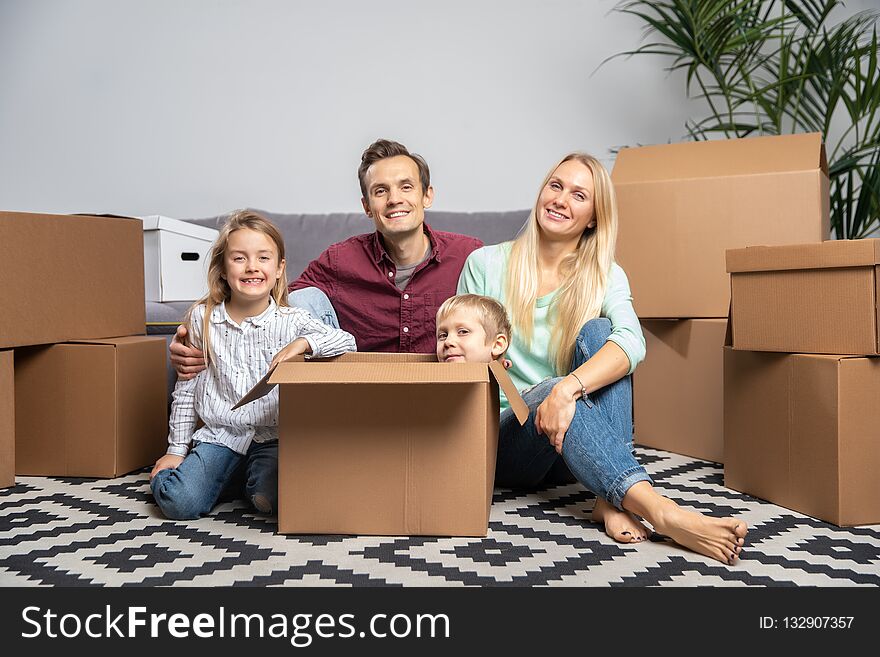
point(365, 367)
point(729, 157)
point(385, 373)
point(833, 253)
point(513, 397)
point(159, 222)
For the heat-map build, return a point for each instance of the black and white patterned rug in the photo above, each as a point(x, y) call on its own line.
point(97, 532)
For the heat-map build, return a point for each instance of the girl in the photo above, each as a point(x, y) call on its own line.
point(242, 324)
point(576, 341)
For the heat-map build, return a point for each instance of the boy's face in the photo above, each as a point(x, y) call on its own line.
point(462, 339)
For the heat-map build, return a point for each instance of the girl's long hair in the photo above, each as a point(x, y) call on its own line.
point(584, 272)
point(218, 288)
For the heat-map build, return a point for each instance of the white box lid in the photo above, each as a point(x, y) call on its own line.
point(159, 222)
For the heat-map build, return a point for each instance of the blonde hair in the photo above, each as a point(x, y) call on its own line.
point(584, 272)
point(492, 315)
point(218, 289)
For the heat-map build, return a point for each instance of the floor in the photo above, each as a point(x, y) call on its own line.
point(92, 532)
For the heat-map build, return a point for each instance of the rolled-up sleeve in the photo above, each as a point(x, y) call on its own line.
point(626, 332)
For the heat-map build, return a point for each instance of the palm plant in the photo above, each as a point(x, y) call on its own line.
point(770, 67)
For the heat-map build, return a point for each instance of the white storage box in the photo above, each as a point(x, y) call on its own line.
point(175, 259)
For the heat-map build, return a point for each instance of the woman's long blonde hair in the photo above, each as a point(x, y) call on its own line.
point(584, 272)
point(218, 288)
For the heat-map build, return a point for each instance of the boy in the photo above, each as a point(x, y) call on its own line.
point(471, 329)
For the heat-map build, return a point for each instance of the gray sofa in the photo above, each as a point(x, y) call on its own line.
point(307, 235)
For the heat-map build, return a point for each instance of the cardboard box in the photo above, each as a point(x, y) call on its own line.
point(89, 282)
point(807, 298)
point(682, 205)
point(176, 255)
point(388, 444)
point(90, 409)
point(803, 431)
point(678, 389)
point(7, 420)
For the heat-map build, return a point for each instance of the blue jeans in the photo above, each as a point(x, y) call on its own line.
point(597, 450)
point(316, 302)
point(212, 473)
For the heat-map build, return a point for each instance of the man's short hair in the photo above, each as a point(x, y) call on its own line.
point(385, 148)
point(492, 315)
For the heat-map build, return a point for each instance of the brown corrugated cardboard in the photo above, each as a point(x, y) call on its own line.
point(7, 420)
point(806, 298)
point(682, 205)
point(90, 409)
point(388, 444)
point(677, 390)
point(90, 282)
point(801, 430)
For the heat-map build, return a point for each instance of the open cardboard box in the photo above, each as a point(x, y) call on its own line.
point(806, 298)
point(803, 431)
point(387, 444)
point(90, 282)
point(682, 205)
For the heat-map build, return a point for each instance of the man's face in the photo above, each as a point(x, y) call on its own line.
point(395, 200)
point(461, 338)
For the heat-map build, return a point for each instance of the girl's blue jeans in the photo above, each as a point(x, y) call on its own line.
point(213, 473)
point(597, 450)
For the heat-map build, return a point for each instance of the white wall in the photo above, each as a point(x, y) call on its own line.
point(196, 108)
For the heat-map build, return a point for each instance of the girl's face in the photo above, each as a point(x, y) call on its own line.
point(251, 265)
point(565, 206)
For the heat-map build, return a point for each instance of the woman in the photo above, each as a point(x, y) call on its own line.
point(576, 340)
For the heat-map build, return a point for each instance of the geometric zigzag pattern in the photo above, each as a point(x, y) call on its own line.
point(100, 532)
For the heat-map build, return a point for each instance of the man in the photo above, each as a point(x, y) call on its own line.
point(384, 287)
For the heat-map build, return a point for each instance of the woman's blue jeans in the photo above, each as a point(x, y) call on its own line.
point(597, 450)
point(213, 473)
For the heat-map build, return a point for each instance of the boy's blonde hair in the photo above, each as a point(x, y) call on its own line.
point(218, 289)
point(584, 273)
point(492, 315)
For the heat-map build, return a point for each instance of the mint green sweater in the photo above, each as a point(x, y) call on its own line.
point(485, 272)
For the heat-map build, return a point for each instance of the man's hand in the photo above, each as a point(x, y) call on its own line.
point(169, 461)
point(555, 413)
point(188, 361)
point(298, 347)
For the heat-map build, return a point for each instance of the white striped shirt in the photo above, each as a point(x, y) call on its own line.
point(242, 354)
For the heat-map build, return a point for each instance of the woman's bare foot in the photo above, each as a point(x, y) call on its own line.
point(622, 526)
point(719, 538)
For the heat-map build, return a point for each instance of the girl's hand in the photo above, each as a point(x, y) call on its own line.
point(169, 461)
point(298, 347)
point(555, 413)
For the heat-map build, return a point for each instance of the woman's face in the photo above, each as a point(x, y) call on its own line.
point(565, 206)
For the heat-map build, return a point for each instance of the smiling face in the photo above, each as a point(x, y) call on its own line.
point(565, 206)
point(395, 200)
point(251, 265)
point(461, 338)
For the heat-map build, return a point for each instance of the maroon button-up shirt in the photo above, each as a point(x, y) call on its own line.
point(358, 277)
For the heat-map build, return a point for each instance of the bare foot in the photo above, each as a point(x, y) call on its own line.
point(622, 526)
point(719, 538)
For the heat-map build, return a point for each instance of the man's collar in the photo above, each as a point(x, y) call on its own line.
point(379, 251)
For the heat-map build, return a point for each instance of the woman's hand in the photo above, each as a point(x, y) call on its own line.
point(298, 347)
point(555, 413)
point(169, 461)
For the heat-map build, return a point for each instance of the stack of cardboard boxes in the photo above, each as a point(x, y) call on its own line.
point(801, 428)
point(76, 399)
point(681, 207)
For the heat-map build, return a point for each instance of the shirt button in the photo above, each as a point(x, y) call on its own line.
point(390, 274)
point(406, 329)
point(406, 296)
